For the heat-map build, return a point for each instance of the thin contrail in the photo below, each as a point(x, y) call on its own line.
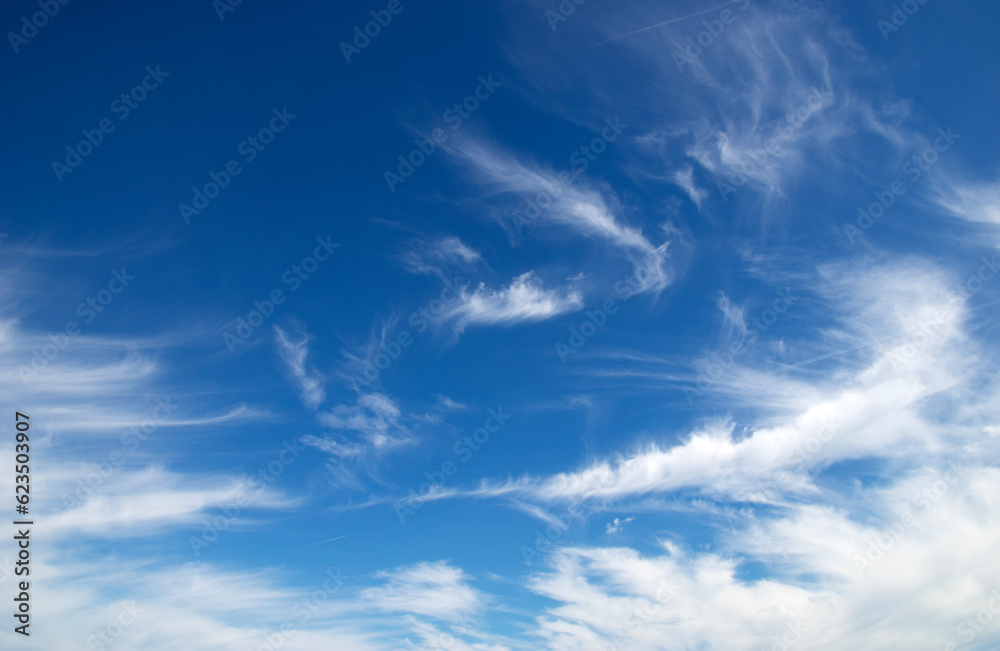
point(667, 22)
point(829, 355)
point(325, 541)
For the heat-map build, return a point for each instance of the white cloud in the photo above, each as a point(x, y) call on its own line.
point(734, 316)
point(771, 99)
point(973, 202)
point(139, 605)
point(128, 503)
point(910, 317)
point(524, 300)
point(436, 590)
point(569, 204)
point(375, 416)
point(295, 353)
point(684, 177)
point(431, 256)
point(896, 555)
point(671, 601)
point(617, 524)
point(929, 533)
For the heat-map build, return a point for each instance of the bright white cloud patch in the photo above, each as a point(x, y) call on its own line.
point(617, 524)
point(524, 300)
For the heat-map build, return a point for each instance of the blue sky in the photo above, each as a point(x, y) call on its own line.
point(509, 325)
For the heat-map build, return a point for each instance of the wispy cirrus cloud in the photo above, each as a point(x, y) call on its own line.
point(915, 347)
point(437, 590)
point(974, 202)
point(294, 353)
point(574, 205)
point(374, 422)
point(431, 256)
point(134, 503)
point(525, 300)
